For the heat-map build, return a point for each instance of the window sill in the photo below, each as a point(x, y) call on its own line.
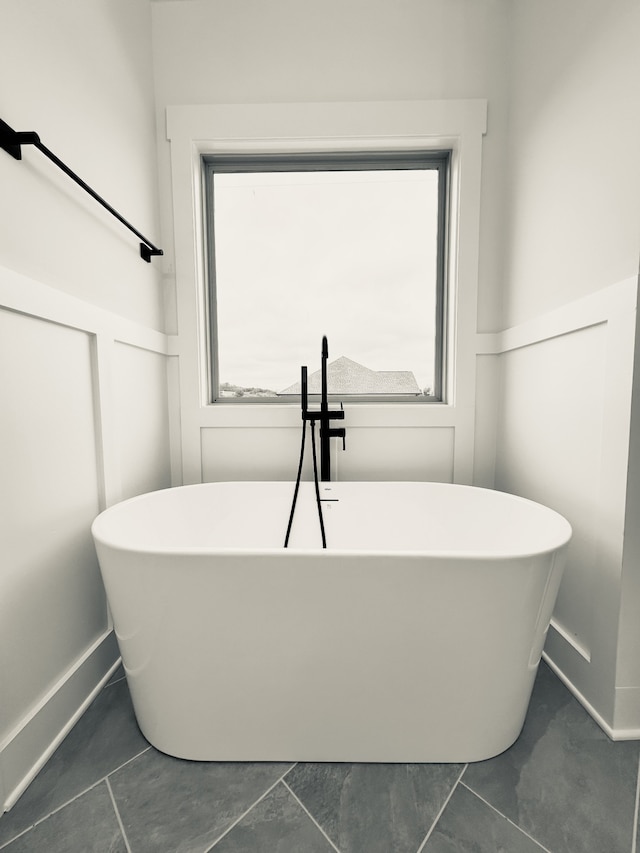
point(268, 415)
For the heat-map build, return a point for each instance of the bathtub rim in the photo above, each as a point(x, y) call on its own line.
point(329, 552)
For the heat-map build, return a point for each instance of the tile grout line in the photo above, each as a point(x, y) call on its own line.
point(55, 811)
point(16, 837)
point(52, 813)
point(251, 807)
point(443, 807)
point(73, 799)
point(311, 817)
point(117, 811)
point(128, 761)
point(636, 816)
point(497, 811)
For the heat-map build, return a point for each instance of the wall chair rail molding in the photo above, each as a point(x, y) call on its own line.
point(12, 141)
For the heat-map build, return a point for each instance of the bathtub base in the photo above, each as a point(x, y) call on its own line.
point(340, 661)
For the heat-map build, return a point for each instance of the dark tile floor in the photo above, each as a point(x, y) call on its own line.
point(564, 787)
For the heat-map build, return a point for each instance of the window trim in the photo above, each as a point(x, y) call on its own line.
point(193, 130)
point(438, 159)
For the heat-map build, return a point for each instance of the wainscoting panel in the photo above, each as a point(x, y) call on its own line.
point(83, 423)
point(372, 453)
point(387, 453)
point(142, 425)
point(50, 497)
point(253, 454)
point(564, 439)
point(553, 398)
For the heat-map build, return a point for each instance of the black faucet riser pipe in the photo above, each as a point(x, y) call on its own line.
point(324, 415)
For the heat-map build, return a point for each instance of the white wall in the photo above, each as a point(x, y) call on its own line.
point(574, 125)
point(570, 297)
point(83, 359)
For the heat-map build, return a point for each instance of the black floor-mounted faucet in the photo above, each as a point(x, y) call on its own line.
point(327, 432)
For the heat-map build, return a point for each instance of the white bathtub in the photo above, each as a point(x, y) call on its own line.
point(414, 637)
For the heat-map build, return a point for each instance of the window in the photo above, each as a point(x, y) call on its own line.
point(351, 246)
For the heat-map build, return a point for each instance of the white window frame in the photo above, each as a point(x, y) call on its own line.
point(439, 160)
point(193, 131)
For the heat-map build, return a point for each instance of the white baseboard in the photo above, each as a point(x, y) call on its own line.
point(32, 742)
point(614, 732)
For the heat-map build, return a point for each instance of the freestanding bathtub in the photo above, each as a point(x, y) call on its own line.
point(414, 637)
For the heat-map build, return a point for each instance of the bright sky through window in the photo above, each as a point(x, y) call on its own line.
point(347, 254)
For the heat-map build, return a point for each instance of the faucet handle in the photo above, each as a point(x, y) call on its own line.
point(339, 432)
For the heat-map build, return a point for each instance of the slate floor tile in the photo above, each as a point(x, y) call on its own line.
point(569, 788)
point(168, 804)
point(468, 825)
point(564, 782)
point(375, 808)
point(86, 825)
point(105, 737)
point(277, 824)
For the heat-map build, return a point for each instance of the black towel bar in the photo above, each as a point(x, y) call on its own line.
point(12, 140)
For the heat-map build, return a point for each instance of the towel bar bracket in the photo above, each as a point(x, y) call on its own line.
point(146, 252)
point(12, 141)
